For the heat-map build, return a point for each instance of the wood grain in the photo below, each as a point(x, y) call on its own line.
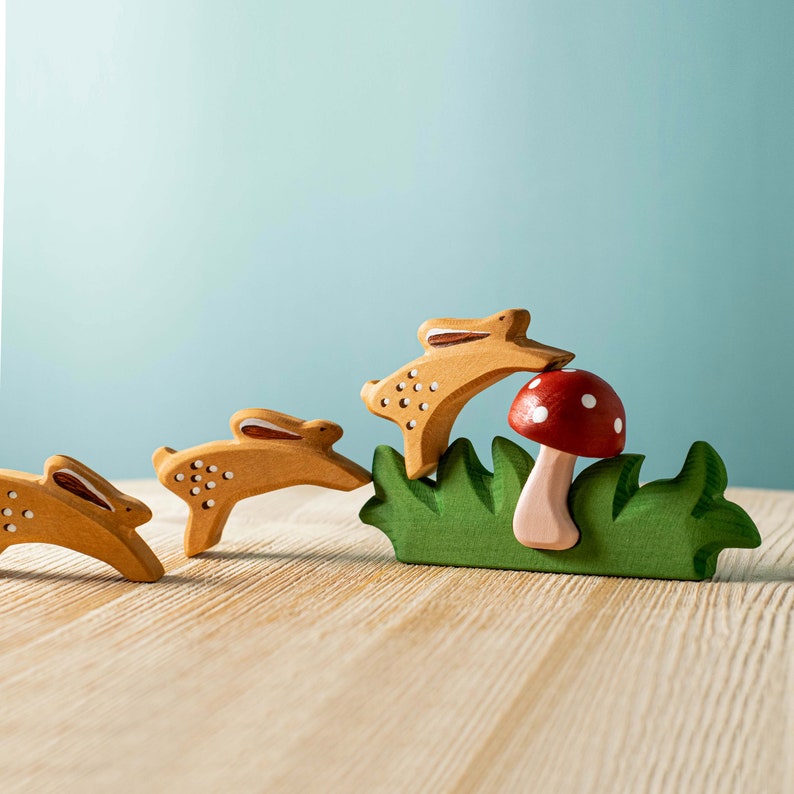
point(301, 657)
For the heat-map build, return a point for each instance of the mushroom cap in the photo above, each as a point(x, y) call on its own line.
point(571, 410)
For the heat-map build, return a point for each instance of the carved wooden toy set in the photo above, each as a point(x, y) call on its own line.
point(525, 515)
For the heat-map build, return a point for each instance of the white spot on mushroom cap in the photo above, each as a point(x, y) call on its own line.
point(540, 414)
point(568, 370)
point(588, 401)
point(534, 384)
point(618, 425)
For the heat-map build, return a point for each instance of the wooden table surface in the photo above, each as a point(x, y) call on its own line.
point(297, 655)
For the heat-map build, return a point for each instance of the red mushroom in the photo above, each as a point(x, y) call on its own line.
point(570, 413)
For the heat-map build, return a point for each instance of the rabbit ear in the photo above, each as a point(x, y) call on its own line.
point(265, 425)
point(446, 337)
point(78, 479)
point(71, 481)
point(261, 429)
point(449, 331)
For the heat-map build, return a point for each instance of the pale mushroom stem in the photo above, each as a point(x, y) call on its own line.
point(542, 519)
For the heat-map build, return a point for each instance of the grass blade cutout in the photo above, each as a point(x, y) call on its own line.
point(666, 529)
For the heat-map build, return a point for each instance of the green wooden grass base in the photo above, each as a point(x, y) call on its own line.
point(666, 529)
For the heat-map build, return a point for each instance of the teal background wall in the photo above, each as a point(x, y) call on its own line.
point(216, 205)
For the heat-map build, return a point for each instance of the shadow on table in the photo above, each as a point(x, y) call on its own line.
point(775, 572)
point(308, 555)
point(769, 573)
point(782, 572)
point(87, 578)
